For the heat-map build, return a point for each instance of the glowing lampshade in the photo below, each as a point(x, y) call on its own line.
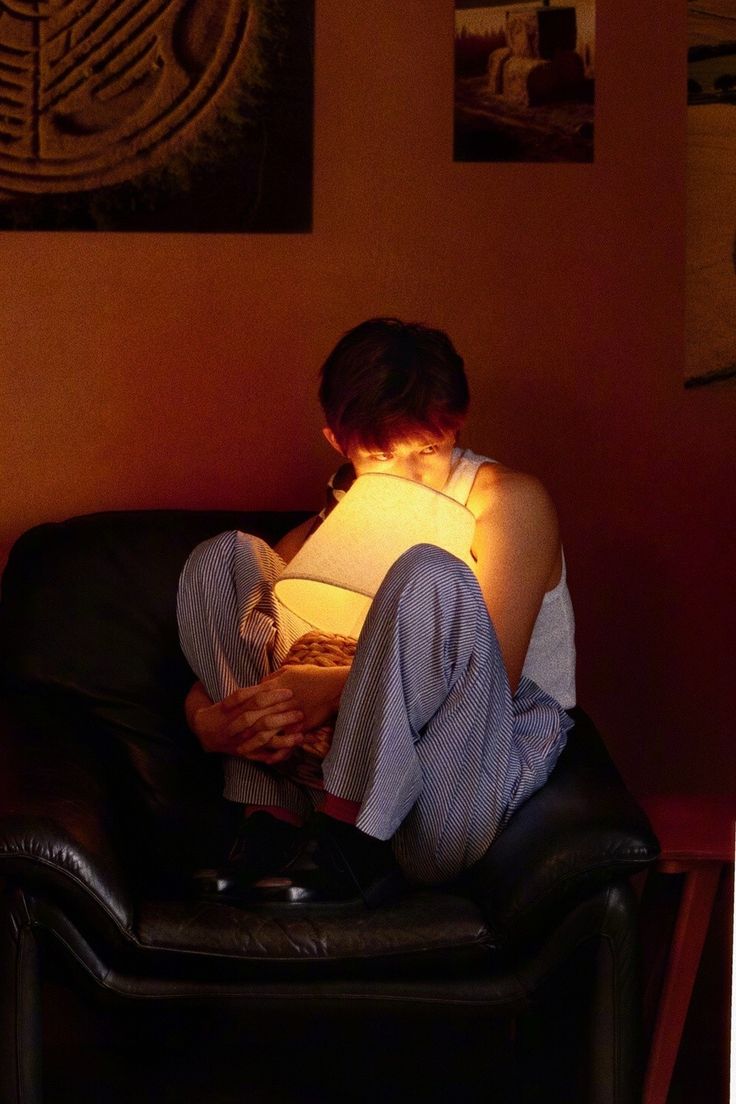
point(333, 578)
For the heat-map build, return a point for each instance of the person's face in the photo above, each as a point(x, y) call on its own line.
point(421, 459)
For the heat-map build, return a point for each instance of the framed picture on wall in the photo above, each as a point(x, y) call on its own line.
point(524, 80)
point(161, 115)
point(711, 192)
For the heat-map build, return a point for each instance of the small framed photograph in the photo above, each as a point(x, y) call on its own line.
point(711, 193)
point(524, 81)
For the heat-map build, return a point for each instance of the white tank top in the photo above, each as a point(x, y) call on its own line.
point(550, 658)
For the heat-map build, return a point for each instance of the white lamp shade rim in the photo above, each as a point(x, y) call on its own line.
point(379, 518)
point(282, 586)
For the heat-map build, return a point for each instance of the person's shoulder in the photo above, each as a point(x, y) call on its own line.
point(288, 546)
point(502, 491)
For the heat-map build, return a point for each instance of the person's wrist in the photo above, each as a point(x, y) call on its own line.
point(192, 713)
point(340, 680)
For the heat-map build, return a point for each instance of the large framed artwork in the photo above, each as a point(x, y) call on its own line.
point(161, 115)
point(524, 80)
point(711, 193)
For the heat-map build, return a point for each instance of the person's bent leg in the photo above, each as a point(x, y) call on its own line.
point(232, 630)
point(426, 743)
point(233, 633)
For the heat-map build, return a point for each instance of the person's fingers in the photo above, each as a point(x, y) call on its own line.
point(280, 756)
point(261, 740)
point(271, 757)
point(286, 740)
point(263, 722)
point(255, 741)
point(234, 744)
point(267, 742)
point(274, 722)
point(238, 698)
point(257, 697)
point(266, 698)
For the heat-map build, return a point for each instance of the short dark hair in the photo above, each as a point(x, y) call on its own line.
point(388, 380)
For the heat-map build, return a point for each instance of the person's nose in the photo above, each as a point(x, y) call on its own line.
point(411, 468)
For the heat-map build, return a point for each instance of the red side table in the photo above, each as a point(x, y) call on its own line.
point(696, 834)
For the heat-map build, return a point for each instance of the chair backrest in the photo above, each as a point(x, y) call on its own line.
point(88, 639)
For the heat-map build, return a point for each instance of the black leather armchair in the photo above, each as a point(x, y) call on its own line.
point(107, 804)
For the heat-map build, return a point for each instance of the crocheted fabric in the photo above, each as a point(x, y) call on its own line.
point(320, 649)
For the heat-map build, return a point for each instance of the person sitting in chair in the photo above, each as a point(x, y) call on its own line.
point(453, 709)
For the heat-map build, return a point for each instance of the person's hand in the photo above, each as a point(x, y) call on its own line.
point(315, 691)
point(229, 726)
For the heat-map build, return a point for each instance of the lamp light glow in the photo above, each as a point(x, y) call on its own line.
point(334, 577)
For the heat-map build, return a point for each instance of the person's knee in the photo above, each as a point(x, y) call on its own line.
point(208, 560)
point(427, 582)
point(252, 542)
point(422, 555)
point(426, 566)
point(215, 557)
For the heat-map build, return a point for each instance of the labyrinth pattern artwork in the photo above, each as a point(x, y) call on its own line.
point(97, 92)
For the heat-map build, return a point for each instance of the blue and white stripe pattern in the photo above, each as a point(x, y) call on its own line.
point(234, 633)
point(429, 739)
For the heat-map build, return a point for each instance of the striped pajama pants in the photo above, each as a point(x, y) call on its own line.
point(429, 740)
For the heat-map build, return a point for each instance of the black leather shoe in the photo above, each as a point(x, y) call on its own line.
point(339, 865)
point(263, 845)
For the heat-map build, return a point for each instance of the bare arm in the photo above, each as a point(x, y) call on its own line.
point(517, 549)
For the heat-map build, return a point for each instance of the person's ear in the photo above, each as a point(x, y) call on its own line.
point(330, 436)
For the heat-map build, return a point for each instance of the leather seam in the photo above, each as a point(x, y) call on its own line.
point(23, 936)
point(222, 993)
point(80, 961)
point(525, 990)
point(61, 938)
point(417, 952)
point(34, 860)
point(610, 947)
point(227, 992)
point(608, 943)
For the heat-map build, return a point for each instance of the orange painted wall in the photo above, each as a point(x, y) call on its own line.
point(147, 371)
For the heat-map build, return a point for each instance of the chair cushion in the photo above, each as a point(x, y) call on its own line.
point(422, 932)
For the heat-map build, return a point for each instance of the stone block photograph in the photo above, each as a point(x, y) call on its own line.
point(711, 192)
point(160, 115)
point(524, 81)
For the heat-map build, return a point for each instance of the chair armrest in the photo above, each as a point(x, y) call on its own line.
point(55, 822)
point(582, 830)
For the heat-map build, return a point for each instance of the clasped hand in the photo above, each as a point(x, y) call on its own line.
point(267, 721)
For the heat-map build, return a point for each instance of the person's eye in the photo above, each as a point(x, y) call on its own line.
point(380, 457)
point(429, 450)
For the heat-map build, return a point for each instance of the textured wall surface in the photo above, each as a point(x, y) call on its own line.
point(172, 370)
